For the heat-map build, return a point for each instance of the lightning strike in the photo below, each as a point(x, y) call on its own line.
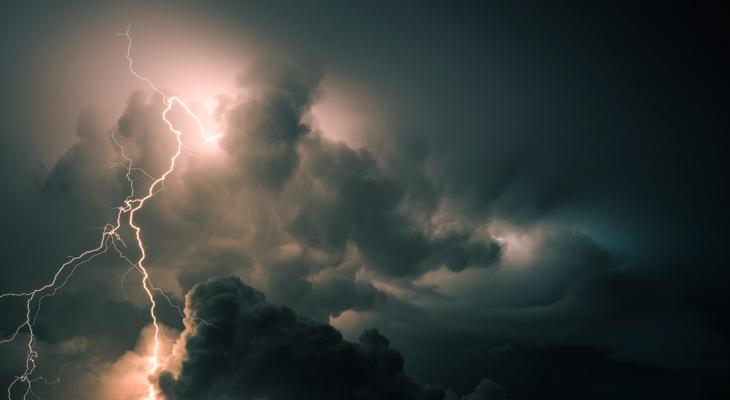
point(109, 239)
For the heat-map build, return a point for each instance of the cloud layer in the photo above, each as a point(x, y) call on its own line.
point(522, 198)
point(248, 348)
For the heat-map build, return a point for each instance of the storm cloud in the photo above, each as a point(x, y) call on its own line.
point(242, 347)
point(439, 201)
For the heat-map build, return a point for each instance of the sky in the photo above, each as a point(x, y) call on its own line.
point(407, 200)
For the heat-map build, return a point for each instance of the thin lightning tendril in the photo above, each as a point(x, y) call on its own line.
point(110, 238)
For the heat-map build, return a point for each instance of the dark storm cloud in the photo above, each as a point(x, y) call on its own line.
point(72, 196)
point(326, 196)
point(561, 261)
point(288, 283)
point(593, 130)
point(361, 205)
point(253, 349)
point(267, 129)
point(573, 293)
point(76, 176)
point(332, 297)
point(357, 205)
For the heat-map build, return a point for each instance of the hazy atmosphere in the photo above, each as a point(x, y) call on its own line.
point(343, 200)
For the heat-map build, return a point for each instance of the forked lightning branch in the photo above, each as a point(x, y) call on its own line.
point(110, 239)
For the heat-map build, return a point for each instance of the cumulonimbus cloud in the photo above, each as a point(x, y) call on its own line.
point(239, 346)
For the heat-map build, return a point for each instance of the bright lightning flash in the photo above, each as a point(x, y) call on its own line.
point(110, 236)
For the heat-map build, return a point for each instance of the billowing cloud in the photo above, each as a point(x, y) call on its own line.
point(521, 193)
point(240, 346)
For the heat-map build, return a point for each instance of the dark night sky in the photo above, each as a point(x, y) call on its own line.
point(526, 200)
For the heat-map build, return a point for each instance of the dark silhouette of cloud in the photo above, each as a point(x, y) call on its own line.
point(248, 349)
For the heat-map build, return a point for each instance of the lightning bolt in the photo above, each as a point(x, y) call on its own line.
point(110, 237)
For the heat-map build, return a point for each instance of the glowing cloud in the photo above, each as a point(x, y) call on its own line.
point(110, 237)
